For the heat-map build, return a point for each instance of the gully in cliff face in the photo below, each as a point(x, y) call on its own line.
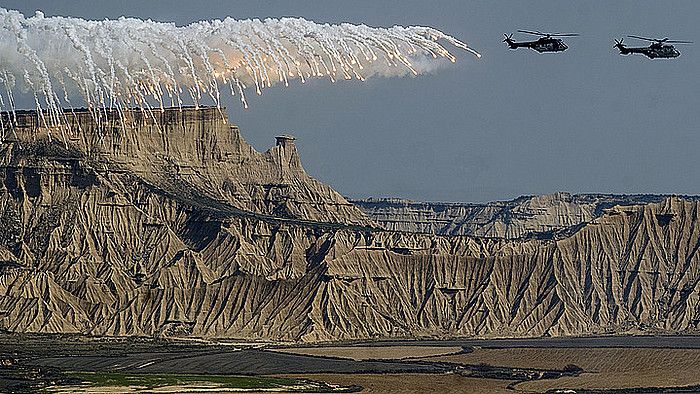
point(144, 226)
point(124, 229)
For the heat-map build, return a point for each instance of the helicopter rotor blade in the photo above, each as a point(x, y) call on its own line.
point(644, 38)
point(661, 41)
point(539, 33)
point(534, 33)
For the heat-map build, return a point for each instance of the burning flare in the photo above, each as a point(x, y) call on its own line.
point(127, 63)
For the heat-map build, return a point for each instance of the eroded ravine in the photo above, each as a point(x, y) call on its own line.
point(177, 227)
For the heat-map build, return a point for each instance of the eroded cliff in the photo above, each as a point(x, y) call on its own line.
point(179, 228)
point(526, 216)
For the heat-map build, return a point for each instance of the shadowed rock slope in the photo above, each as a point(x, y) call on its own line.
point(171, 225)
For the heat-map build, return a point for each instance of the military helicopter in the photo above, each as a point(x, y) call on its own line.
point(546, 42)
point(657, 49)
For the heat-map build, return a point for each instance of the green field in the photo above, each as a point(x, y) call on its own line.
point(151, 381)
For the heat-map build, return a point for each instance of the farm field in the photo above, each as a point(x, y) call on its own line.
point(585, 365)
point(604, 368)
point(360, 353)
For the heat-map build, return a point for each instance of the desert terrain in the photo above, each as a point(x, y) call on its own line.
point(169, 254)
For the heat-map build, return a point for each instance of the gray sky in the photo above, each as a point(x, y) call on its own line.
point(512, 123)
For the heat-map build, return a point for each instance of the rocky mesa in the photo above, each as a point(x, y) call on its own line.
point(170, 224)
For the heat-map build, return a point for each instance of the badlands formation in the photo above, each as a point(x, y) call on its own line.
point(172, 225)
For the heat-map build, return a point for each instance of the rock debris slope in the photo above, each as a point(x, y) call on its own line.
point(171, 225)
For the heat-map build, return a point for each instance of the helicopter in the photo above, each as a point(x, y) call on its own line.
point(546, 42)
point(657, 49)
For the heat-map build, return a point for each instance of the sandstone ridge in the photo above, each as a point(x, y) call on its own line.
point(171, 225)
point(526, 216)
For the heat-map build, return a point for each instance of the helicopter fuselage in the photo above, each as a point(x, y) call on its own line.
point(652, 51)
point(541, 45)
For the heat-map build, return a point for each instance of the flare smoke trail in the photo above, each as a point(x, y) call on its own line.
point(126, 63)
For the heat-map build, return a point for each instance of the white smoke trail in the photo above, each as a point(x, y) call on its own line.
point(127, 63)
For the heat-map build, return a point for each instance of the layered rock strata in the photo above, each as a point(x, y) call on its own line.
point(527, 216)
point(173, 226)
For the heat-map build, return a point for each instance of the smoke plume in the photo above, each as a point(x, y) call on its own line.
point(131, 63)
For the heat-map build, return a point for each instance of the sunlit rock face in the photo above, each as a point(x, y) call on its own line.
point(193, 153)
point(171, 225)
point(528, 216)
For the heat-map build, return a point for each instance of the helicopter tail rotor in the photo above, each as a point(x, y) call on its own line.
point(509, 40)
point(619, 45)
